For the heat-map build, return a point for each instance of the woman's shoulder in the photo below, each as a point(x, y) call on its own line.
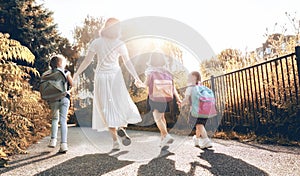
point(97, 40)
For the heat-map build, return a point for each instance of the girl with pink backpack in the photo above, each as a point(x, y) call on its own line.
point(161, 91)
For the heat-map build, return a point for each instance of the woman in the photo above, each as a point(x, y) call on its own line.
point(113, 107)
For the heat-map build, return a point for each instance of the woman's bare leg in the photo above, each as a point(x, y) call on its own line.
point(113, 133)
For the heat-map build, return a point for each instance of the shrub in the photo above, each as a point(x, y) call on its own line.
point(23, 114)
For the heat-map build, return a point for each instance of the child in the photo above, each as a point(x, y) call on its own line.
point(161, 91)
point(59, 108)
point(200, 139)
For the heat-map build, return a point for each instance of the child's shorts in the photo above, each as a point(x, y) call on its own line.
point(161, 107)
point(193, 121)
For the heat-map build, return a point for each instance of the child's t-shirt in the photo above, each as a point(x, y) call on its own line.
point(188, 91)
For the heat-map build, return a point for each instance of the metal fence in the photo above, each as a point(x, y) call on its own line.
point(257, 95)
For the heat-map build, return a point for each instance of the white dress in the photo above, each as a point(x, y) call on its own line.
point(112, 104)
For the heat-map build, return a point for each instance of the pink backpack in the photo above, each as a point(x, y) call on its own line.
point(161, 88)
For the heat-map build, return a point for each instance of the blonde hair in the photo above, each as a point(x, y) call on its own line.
point(112, 29)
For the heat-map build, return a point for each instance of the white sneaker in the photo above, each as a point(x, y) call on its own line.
point(168, 139)
point(196, 141)
point(63, 148)
point(205, 143)
point(116, 145)
point(52, 143)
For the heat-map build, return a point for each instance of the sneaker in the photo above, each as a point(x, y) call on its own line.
point(168, 139)
point(196, 141)
point(124, 136)
point(63, 148)
point(116, 145)
point(205, 143)
point(52, 143)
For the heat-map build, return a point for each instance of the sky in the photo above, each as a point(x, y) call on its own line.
point(238, 24)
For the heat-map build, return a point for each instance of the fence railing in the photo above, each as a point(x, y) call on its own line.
point(256, 95)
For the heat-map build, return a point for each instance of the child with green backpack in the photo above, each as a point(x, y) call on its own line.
point(54, 89)
point(201, 100)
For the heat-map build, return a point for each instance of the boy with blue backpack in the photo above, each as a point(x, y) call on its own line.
point(202, 102)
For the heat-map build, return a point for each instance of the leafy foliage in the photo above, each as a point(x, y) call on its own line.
point(23, 115)
point(277, 44)
point(83, 35)
point(33, 26)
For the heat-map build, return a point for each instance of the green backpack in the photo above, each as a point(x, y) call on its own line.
point(53, 85)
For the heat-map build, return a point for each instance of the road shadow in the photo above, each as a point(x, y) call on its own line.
point(161, 165)
point(222, 164)
point(28, 160)
point(90, 164)
point(294, 150)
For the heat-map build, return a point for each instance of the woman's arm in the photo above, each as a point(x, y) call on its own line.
point(85, 63)
point(129, 66)
point(127, 62)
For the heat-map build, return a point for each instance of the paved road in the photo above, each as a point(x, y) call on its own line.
point(90, 154)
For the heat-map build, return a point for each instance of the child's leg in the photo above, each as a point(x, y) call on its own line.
point(200, 131)
point(164, 120)
point(55, 118)
point(64, 107)
point(160, 122)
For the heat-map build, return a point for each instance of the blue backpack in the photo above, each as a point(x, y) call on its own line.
point(203, 102)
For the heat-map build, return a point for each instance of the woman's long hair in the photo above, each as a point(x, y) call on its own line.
point(112, 29)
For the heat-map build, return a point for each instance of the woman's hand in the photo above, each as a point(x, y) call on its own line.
point(179, 103)
point(138, 83)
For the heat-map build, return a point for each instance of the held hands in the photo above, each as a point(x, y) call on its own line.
point(179, 103)
point(139, 83)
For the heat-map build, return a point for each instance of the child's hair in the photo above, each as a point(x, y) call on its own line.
point(55, 59)
point(198, 77)
point(157, 59)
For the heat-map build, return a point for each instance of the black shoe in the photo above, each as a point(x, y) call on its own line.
point(124, 136)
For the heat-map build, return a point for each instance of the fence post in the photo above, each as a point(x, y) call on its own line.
point(297, 52)
point(212, 80)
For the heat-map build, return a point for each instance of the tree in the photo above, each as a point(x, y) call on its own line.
point(83, 35)
point(33, 26)
point(277, 44)
point(226, 61)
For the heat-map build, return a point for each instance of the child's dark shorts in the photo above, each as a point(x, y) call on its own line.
point(161, 107)
point(193, 121)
